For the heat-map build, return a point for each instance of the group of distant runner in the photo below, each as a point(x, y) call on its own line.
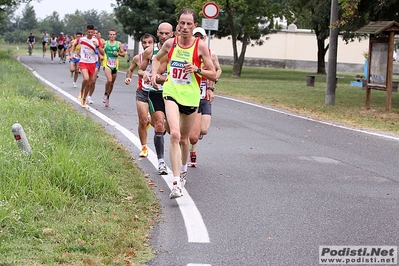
point(175, 88)
point(87, 54)
point(60, 44)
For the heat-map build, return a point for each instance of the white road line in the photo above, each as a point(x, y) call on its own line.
point(313, 119)
point(195, 226)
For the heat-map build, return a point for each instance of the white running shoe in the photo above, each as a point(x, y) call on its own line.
point(162, 169)
point(176, 191)
point(183, 179)
point(74, 84)
point(89, 100)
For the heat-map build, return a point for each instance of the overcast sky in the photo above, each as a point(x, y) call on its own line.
point(46, 7)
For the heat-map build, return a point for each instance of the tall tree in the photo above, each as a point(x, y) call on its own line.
point(5, 7)
point(7, 22)
point(92, 17)
point(138, 17)
point(28, 19)
point(55, 25)
point(246, 21)
point(314, 14)
point(108, 22)
point(357, 13)
point(4, 4)
point(75, 22)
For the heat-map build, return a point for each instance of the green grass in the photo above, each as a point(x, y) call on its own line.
point(286, 89)
point(78, 198)
point(22, 48)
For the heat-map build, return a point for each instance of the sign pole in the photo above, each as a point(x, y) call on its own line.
point(210, 11)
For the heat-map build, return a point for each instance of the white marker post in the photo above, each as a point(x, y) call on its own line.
point(20, 137)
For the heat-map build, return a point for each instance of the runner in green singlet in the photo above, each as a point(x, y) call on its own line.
point(113, 49)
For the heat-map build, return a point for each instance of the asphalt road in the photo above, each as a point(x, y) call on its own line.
point(270, 187)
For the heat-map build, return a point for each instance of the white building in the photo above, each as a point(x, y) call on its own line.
point(296, 47)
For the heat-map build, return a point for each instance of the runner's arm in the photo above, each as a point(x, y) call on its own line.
point(99, 45)
point(162, 68)
point(142, 73)
point(70, 51)
point(209, 71)
point(215, 61)
point(72, 55)
point(121, 52)
point(131, 68)
point(156, 62)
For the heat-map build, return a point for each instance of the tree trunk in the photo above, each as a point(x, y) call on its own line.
point(238, 61)
point(238, 64)
point(321, 53)
point(235, 50)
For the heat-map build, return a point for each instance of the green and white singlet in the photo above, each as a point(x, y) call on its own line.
point(110, 60)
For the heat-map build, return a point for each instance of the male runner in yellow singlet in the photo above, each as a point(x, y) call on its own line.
point(181, 90)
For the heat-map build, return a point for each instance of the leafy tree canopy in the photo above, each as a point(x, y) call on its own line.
point(144, 16)
point(4, 4)
point(358, 13)
point(245, 21)
point(28, 20)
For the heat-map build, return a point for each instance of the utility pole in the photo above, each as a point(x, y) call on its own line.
point(332, 55)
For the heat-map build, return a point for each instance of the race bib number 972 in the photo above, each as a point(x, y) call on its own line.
point(178, 74)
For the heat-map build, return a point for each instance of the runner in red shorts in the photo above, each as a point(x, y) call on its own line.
point(88, 60)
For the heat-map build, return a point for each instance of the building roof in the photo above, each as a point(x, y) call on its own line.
point(376, 27)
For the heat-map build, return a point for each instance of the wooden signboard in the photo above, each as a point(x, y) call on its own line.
point(378, 63)
point(380, 66)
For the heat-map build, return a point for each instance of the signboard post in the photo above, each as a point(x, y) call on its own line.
point(210, 11)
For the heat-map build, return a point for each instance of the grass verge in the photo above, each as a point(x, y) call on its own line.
point(78, 199)
point(286, 89)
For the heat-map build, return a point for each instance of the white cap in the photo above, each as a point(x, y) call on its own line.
point(62, 32)
point(199, 30)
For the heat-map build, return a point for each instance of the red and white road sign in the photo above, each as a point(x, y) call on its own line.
point(210, 10)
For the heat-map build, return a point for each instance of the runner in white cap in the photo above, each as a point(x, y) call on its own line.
point(202, 121)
